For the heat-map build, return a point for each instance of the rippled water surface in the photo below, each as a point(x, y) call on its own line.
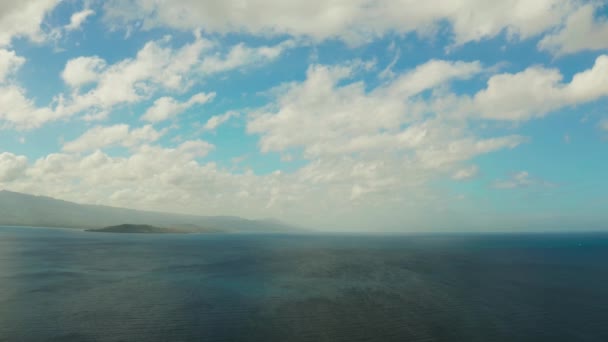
point(63, 285)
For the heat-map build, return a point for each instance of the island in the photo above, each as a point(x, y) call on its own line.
point(137, 229)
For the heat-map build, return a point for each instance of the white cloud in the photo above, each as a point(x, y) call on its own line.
point(521, 179)
point(23, 19)
point(18, 111)
point(372, 145)
point(327, 119)
point(156, 67)
point(604, 125)
point(537, 91)
point(11, 166)
point(100, 137)
point(83, 70)
point(451, 152)
point(9, 63)
point(341, 192)
point(432, 74)
point(590, 84)
point(241, 55)
point(217, 120)
point(155, 175)
point(168, 107)
point(354, 21)
point(78, 18)
point(466, 173)
point(521, 96)
point(171, 179)
point(582, 31)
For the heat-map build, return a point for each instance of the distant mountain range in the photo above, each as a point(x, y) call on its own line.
point(18, 209)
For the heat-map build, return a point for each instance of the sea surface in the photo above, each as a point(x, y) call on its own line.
point(70, 285)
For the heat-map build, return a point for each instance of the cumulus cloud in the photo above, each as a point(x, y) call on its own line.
point(9, 63)
point(11, 166)
point(366, 144)
point(152, 174)
point(78, 18)
point(582, 31)
point(99, 137)
point(168, 107)
point(326, 115)
point(83, 70)
point(241, 55)
point(157, 67)
point(174, 179)
point(215, 121)
point(354, 21)
point(537, 91)
point(451, 152)
point(19, 111)
point(23, 19)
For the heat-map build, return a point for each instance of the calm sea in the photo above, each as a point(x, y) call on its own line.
point(65, 285)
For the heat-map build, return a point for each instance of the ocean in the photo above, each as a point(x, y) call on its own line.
point(70, 285)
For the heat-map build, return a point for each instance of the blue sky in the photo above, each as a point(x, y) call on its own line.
point(394, 115)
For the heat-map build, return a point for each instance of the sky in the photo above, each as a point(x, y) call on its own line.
point(365, 115)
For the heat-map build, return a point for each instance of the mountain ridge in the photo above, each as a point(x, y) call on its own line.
point(21, 209)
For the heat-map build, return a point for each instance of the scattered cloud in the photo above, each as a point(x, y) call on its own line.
point(100, 137)
point(83, 70)
point(23, 19)
point(583, 30)
point(156, 66)
point(215, 121)
point(325, 115)
point(20, 112)
point(537, 91)
point(78, 18)
point(167, 107)
point(9, 64)
point(521, 179)
point(466, 173)
point(240, 56)
point(11, 166)
point(354, 21)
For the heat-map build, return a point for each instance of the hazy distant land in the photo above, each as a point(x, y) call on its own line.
point(137, 229)
point(18, 209)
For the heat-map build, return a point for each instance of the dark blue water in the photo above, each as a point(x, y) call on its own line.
point(61, 285)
